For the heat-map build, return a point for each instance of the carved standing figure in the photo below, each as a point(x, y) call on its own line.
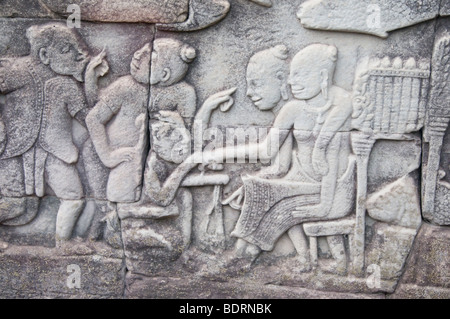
point(118, 128)
point(44, 95)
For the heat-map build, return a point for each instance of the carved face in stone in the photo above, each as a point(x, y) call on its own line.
point(140, 65)
point(65, 55)
point(266, 78)
point(262, 87)
point(170, 139)
point(312, 71)
point(170, 61)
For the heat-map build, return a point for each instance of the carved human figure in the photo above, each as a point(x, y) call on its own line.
point(267, 87)
point(118, 128)
point(43, 96)
point(170, 92)
point(160, 224)
point(319, 183)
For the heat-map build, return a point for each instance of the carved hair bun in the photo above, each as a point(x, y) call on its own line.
point(280, 52)
point(188, 53)
point(333, 53)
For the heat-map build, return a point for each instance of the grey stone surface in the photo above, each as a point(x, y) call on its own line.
point(21, 9)
point(150, 11)
point(445, 8)
point(371, 17)
point(224, 152)
point(202, 14)
point(427, 271)
point(162, 288)
point(31, 272)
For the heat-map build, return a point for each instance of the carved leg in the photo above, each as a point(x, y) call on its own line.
point(28, 170)
point(313, 250)
point(298, 238)
point(186, 203)
point(68, 214)
point(434, 156)
point(337, 248)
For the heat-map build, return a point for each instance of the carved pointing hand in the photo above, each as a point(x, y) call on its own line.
point(222, 99)
point(98, 66)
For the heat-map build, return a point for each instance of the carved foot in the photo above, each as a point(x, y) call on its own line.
point(301, 265)
point(334, 267)
point(75, 247)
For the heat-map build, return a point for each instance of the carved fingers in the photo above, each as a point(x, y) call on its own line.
point(121, 155)
point(222, 99)
point(98, 66)
point(235, 200)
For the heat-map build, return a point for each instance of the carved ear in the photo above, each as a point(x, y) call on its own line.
point(324, 74)
point(324, 84)
point(284, 88)
point(167, 74)
point(44, 56)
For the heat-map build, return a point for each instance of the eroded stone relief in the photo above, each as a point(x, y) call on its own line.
point(290, 156)
point(371, 17)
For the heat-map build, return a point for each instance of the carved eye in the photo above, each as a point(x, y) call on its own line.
point(65, 49)
point(255, 83)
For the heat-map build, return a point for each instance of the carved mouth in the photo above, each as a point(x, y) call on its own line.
point(297, 91)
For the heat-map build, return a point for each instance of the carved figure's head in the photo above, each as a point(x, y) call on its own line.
point(60, 48)
point(170, 61)
point(267, 73)
point(170, 139)
point(140, 64)
point(312, 71)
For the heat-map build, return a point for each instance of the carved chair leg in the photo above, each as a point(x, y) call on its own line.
point(337, 248)
point(313, 251)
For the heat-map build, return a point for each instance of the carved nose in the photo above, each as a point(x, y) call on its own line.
point(82, 56)
point(137, 55)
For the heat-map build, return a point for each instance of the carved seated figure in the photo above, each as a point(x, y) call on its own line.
point(320, 182)
point(170, 63)
point(158, 227)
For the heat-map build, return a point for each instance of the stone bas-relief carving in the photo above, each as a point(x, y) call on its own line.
point(152, 11)
point(435, 190)
point(202, 14)
point(42, 90)
point(371, 17)
point(129, 167)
